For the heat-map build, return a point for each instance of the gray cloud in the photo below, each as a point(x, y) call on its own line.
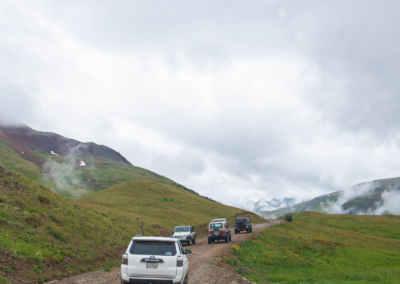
point(259, 100)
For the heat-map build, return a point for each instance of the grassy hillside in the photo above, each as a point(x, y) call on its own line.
point(15, 161)
point(45, 236)
point(321, 248)
point(164, 206)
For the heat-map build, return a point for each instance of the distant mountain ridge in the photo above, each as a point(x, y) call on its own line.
point(265, 205)
point(375, 197)
point(25, 139)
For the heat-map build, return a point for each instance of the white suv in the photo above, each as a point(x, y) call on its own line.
point(154, 260)
point(185, 234)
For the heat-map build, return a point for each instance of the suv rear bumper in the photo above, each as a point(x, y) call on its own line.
point(126, 279)
point(217, 238)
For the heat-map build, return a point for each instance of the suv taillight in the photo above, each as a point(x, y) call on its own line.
point(179, 261)
point(125, 259)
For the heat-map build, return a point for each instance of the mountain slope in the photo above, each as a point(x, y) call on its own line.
point(45, 236)
point(67, 166)
point(163, 205)
point(25, 139)
point(364, 198)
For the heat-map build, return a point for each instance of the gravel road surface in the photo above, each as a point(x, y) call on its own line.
point(205, 264)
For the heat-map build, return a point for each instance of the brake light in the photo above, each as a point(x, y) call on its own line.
point(179, 261)
point(222, 233)
point(125, 259)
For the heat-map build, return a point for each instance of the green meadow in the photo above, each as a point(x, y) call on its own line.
point(322, 248)
point(45, 236)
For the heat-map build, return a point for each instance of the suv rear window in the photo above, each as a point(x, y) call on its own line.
point(153, 248)
point(241, 220)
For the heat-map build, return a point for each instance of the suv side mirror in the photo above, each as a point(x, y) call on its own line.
point(188, 251)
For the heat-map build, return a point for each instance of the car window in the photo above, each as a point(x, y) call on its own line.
point(216, 226)
point(181, 229)
point(153, 248)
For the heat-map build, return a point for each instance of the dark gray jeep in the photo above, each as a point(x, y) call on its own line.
point(243, 224)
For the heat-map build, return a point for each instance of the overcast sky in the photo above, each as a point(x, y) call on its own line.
point(237, 100)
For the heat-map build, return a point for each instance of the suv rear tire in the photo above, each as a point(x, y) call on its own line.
point(227, 239)
point(194, 241)
point(209, 241)
point(235, 231)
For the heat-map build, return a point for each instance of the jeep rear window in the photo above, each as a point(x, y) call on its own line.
point(216, 226)
point(153, 248)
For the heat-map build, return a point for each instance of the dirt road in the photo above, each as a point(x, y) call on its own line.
point(203, 254)
point(204, 266)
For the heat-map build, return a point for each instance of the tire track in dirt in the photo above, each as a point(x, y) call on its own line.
point(203, 253)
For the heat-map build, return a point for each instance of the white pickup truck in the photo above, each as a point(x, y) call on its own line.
point(185, 234)
point(155, 260)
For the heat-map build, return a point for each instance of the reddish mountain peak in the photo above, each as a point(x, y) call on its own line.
point(25, 139)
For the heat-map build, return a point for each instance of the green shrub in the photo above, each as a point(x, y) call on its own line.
point(43, 199)
point(34, 219)
point(13, 267)
point(54, 219)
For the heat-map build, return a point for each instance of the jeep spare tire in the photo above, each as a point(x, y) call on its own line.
point(216, 232)
point(240, 225)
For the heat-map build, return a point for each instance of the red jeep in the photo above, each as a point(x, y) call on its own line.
point(218, 231)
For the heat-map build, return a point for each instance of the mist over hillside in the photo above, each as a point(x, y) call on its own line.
point(67, 166)
point(369, 198)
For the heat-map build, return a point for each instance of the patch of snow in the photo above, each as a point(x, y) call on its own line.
point(82, 164)
point(22, 152)
point(54, 153)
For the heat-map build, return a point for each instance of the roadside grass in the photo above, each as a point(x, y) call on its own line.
point(387, 226)
point(301, 252)
point(164, 207)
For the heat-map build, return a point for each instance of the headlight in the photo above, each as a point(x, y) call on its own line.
point(188, 236)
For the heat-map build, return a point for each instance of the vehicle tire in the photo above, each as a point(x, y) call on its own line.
point(248, 230)
point(226, 239)
point(189, 242)
point(209, 241)
point(235, 231)
point(251, 230)
point(230, 238)
point(194, 240)
point(186, 279)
